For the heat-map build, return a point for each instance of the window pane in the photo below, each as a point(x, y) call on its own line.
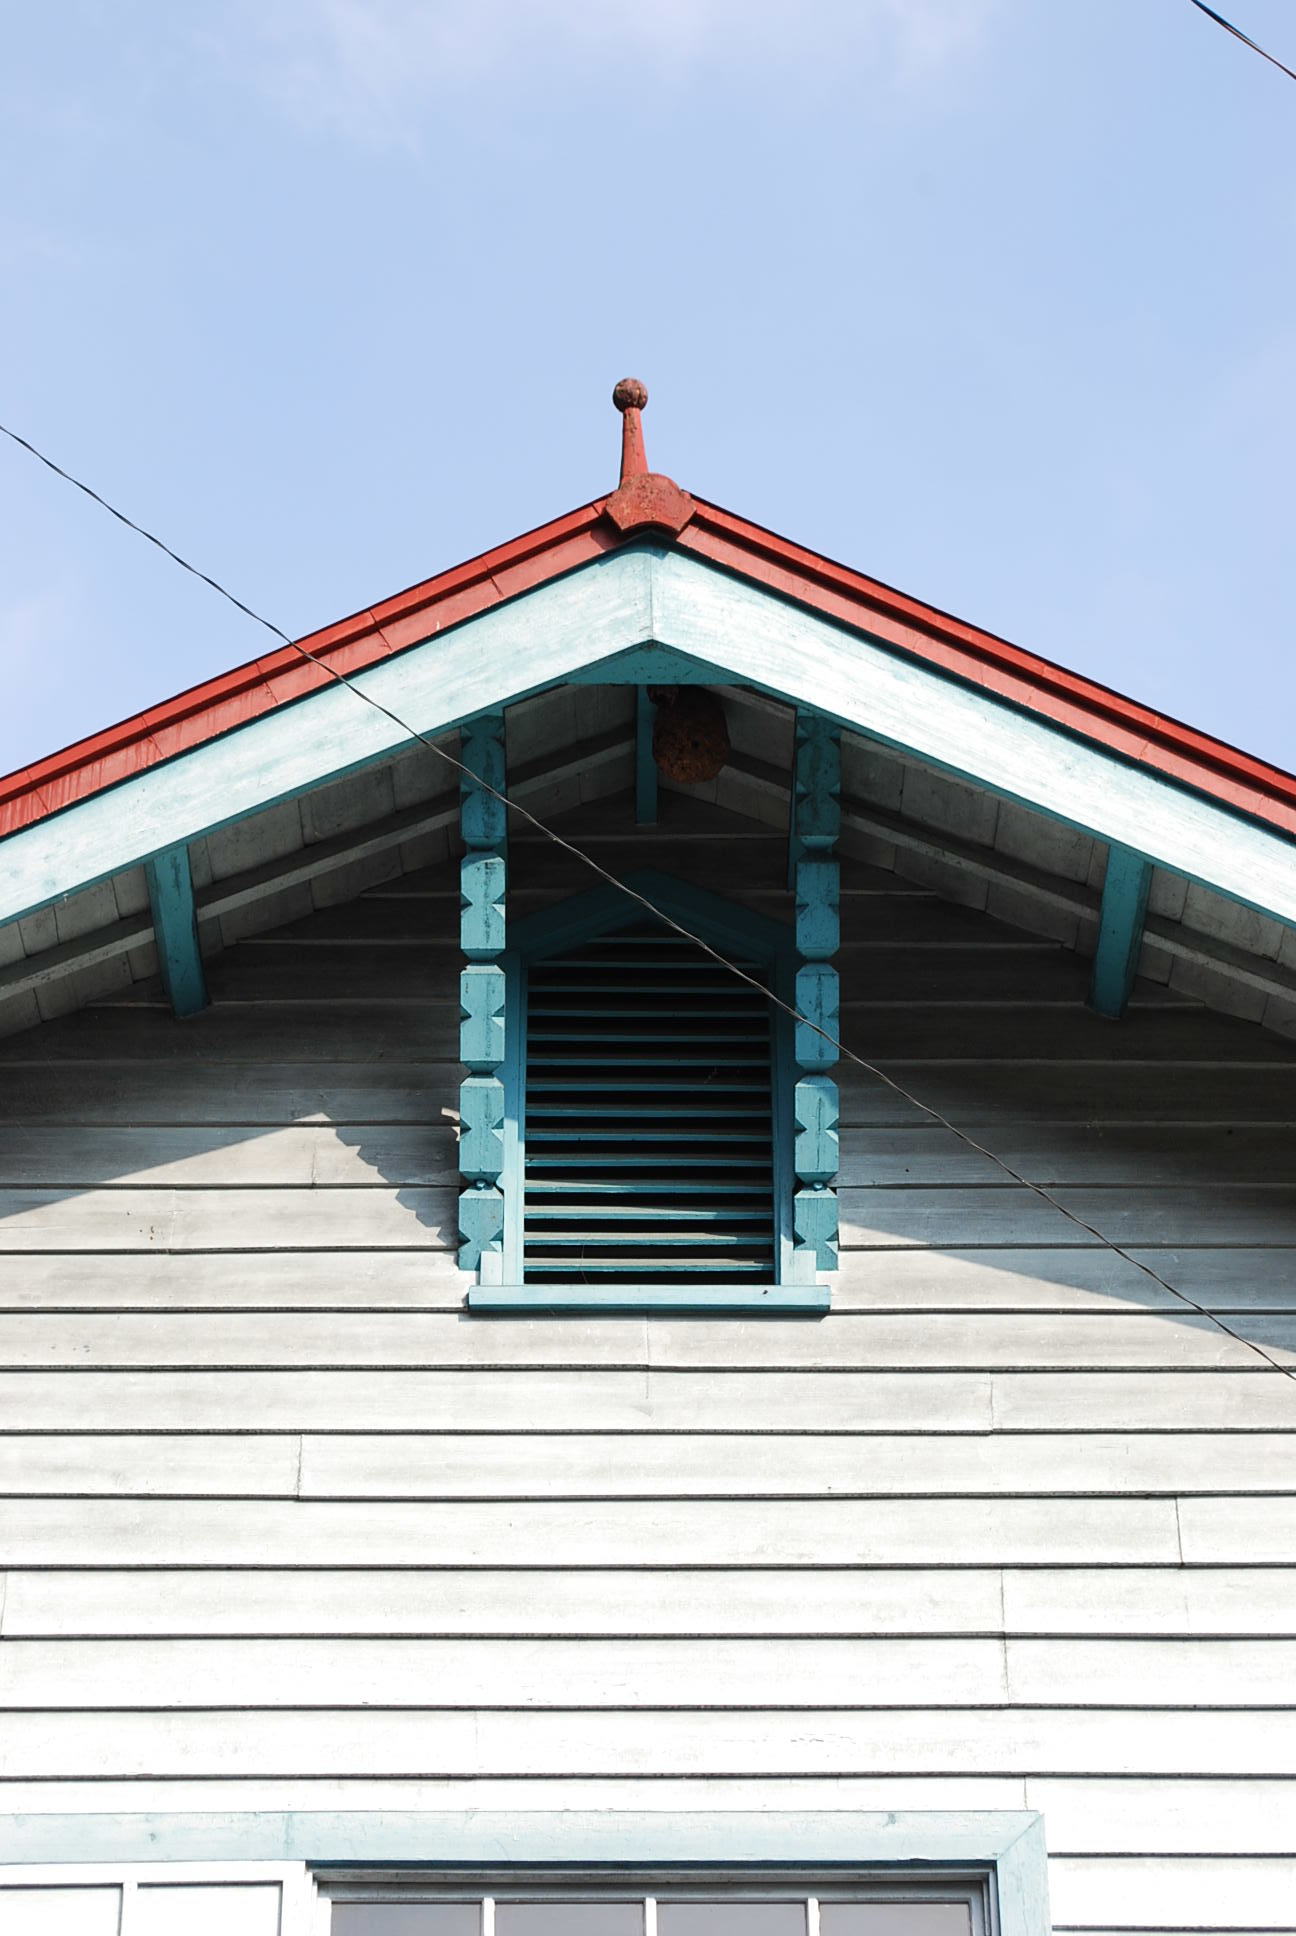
point(732, 1918)
point(894, 1919)
point(406, 1918)
point(569, 1919)
point(59, 1912)
point(206, 1909)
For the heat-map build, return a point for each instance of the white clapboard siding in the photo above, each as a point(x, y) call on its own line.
point(302, 1219)
point(1207, 1892)
point(589, 1672)
point(191, 1157)
point(467, 1742)
point(400, 1466)
point(424, 1216)
point(1159, 1602)
point(179, 1464)
point(266, 1088)
point(750, 1601)
point(1211, 1534)
point(928, 1341)
point(1256, 1598)
point(282, 1526)
point(234, 1281)
point(504, 1673)
point(1195, 1817)
point(839, 1532)
point(258, 1093)
point(1021, 1279)
point(520, 1465)
point(187, 1157)
point(442, 1602)
point(608, 1400)
point(1163, 1156)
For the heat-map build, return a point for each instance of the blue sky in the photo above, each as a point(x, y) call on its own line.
point(993, 299)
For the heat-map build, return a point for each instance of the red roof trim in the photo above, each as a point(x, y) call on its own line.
point(1093, 712)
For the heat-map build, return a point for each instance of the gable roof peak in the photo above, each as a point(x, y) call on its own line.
point(644, 499)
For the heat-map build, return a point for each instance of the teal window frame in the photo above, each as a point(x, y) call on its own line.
point(337, 1847)
point(732, 930)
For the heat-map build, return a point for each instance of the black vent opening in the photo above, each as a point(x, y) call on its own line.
point(649, 1132)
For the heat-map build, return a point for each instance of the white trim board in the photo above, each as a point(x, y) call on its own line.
point(1008, 1843)
point(584, 621)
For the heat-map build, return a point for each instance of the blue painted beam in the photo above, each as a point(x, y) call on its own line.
point(1120, 931)
point(645, 764)
point(175, 928)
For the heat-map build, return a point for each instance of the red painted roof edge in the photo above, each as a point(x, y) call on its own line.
point(1136, 732)
point(1093, 711)
point(205, 711)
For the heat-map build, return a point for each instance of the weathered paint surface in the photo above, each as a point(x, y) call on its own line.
point(1009, 1529)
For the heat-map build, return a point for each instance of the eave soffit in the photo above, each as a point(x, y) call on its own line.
point(639, 613)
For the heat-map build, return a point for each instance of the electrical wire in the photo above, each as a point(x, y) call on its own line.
point(659, 914)
point(1246, 39)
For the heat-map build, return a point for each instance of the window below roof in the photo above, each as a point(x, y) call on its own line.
point(755, 1906)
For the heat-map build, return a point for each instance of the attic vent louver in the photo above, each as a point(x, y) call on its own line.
point(649, 1139)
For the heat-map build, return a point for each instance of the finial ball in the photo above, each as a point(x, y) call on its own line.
point(630, 394)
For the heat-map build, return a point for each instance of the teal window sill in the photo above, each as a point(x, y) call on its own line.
point(744, 1300)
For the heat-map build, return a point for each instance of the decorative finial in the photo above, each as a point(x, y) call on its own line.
point(644, 500)
point(630, 396)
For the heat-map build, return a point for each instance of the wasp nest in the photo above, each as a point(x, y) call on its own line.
point(690, 735)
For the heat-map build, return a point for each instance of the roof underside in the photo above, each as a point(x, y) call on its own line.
point(574, 746)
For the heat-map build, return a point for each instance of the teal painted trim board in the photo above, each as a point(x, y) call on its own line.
point(483, 871)
point(1007, 1846)
point(578, 626)
point(175, 929)
point(734, 1300)
point(1120, 931)
point(816, 825)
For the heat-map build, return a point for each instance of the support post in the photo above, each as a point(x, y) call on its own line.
point(645, 764)
point(482, 878)
point(815, 826)
point(175, 928)
point(1120, 931)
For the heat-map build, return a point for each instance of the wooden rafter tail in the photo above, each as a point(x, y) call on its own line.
point(1120, 931)
point(175, 929)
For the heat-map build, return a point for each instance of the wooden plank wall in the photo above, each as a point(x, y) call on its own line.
point(283, 1527)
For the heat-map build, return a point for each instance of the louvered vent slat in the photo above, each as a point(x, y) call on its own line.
point(649, 1142)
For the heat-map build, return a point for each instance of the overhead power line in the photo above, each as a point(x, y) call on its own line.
point(623, 887)
point(1246, 39)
